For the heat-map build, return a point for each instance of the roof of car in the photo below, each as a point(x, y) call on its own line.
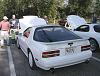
point(45, 25)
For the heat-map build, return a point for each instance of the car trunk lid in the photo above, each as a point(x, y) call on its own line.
point(67, 47)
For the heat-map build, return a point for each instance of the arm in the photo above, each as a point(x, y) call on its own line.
point(0, 25)
point(9, 26)
point(18, 24)
point(10, 21)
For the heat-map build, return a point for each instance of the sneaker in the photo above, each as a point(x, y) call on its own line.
point(1, 46)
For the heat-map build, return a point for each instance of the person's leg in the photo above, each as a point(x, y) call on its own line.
point(2, 38)
point(13, 41)
point(8, 42)
point(2, 42)
point(7, 37)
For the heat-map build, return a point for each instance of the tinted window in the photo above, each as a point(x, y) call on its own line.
point(53, 34)
point(97, 28)
point(83, 28)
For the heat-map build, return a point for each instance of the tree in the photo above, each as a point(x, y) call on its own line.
point(80, 7)
point(9, 7)
point(1, 10)
point(97, 7)
point(32, 7)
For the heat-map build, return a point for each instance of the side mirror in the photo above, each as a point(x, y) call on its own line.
point(26, 34)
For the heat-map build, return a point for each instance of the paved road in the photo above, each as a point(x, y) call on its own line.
point(4, 66)
point(22, 67)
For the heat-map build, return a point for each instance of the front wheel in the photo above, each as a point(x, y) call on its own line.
point(31, 61)
point(94, 45)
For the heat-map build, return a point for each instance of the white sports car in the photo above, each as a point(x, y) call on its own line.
point(50, 47)
point(80, 27)
point(90, 31)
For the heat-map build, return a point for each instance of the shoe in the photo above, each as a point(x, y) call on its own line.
point(1, 46)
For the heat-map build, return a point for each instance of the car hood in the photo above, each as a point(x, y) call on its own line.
point(29, 21)
point(74, 20)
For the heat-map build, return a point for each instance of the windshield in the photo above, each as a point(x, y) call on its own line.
point(53, 34)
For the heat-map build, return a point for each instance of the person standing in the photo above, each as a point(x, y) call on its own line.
point(12, 37)
point(14, 24)
point(5, 29)
point(46, 19)
point(94, 18)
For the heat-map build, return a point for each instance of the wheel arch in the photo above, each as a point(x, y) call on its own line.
point(95, 40)
point(29, 50)
point(34, 61)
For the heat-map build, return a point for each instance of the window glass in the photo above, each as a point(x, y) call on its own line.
point(27, 32)
point(97, 28)
point(53, 34)
point(83, 28)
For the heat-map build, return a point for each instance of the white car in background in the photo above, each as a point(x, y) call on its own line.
point(49, 47)
point(90, 31)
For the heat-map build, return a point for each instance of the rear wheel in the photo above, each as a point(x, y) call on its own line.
point(31, 61)
point(94, 45)
point(87, 61)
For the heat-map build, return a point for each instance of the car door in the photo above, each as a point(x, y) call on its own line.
point(24, 39)
point(96, 35)
point(83, 31)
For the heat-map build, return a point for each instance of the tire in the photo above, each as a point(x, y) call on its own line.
point(18, 44)
point(94, 45)
point(87, 61)
point(31, 61)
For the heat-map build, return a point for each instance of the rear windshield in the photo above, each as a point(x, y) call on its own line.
point(53, 34)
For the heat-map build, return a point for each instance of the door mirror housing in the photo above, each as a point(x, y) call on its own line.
point(26, 34)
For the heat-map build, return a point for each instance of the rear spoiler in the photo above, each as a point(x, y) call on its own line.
point(62, 42)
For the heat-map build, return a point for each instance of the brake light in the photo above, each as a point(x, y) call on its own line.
point(51, 54)
point(84, 48)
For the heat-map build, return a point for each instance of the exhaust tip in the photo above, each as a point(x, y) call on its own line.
point(52, 70)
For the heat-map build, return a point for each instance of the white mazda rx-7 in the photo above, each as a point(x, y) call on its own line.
point(48, 46)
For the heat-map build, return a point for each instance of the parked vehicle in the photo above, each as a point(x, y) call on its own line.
point(48, 46)
point(85, 30)
point(92, 32)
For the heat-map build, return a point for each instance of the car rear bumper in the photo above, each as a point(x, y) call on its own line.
point(66, 60)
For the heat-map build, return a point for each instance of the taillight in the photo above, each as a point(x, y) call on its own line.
point(51, 54)
point(84, 48)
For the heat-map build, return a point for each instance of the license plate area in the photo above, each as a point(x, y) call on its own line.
point(69, 50)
